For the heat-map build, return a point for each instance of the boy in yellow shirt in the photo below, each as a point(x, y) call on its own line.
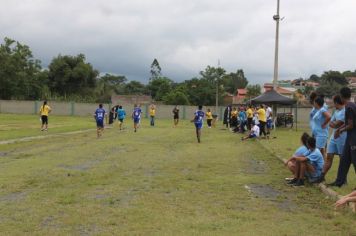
point(44, 112)
point(209, 117)
point(249, 114)
point(152, 114)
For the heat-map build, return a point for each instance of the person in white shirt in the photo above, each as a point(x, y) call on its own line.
point(269, 113)
point(254, 133)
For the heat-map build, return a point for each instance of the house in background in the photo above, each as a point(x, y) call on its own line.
point(285, 91)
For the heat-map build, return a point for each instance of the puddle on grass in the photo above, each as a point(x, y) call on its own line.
point(255, 167)
point(269, 193)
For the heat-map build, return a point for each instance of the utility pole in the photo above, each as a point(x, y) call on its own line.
point(275, 75)
point(217, 89)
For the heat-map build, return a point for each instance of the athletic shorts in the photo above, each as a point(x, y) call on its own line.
point(312, 175)
point(100, 123)
point(335, 147)
point(175, 117)
point(137, 120)
point(252, 136)
point(269, 124)
point(121, 120)
point(44, 120)
point(198, 125)
point(321, 141)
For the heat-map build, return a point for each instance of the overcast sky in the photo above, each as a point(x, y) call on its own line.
point(124, 36)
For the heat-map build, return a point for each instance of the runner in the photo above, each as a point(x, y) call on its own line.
point(44, 112)
point(175, 116)
point(136, 116)
point(198, 121)
point(121, 114)
point(99, 115)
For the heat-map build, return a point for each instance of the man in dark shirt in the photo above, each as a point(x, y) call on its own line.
point(349, 153)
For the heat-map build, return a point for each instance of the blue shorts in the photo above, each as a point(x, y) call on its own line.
point(100, 123)
point(252, 136)
point(136, 120)
point(198, 125)
point(335, 147)
point(321, 141)
point(312, 175)
point(269, 124)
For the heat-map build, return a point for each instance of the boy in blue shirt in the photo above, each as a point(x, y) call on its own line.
point(99, 115)
point(136, 116)
point(121, 114)
point(198, 121)
point(309, 165)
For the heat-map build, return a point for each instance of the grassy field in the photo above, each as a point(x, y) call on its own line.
point(157, 181)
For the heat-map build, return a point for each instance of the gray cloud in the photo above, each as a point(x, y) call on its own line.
point(124, 36)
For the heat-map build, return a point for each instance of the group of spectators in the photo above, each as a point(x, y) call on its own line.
point(257, 120)
point(314, 158)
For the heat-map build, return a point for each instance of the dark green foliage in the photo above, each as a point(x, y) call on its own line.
point(20, 73)
point(72, 75)
point(160, 87)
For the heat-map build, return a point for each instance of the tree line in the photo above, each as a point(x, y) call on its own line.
point(72, 78)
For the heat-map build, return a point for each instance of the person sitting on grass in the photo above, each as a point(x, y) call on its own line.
point(346, 199)
point(309, 165)
point(301, 151)
point(254, 133)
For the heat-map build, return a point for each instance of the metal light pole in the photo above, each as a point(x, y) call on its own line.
point(275, 75)
point(217, 90)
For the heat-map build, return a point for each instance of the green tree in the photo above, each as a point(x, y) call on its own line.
point(176, 97)
point(20, 73)
point(155, 70)
point(253, 90)
point(135, 88)
point(72, 75)
point(329, 89)
point(108, 85)
point(234, 81)
point(333, 77)
point(159, 87)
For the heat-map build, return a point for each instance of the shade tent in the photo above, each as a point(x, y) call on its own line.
point(273, 97)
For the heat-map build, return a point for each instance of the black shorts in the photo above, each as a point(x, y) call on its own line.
point(44, 120)
point(176, 117)
point(121, 120)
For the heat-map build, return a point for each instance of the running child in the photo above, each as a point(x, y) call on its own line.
point(198, 121)
point(121, 114)
point(136, 116)
point(175, 112)
point(99, 115)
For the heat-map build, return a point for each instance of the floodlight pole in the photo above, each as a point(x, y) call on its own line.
point(276, 51)
point(217, 89)
point(275, 74)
